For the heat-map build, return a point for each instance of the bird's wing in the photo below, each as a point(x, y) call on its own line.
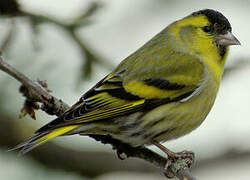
point(107, 99)
point(124, 92)
point(172, 77)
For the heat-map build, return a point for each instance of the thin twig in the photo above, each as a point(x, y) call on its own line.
point(10, 36)
point(35, 92)
point(38, 93)
point(71, 29)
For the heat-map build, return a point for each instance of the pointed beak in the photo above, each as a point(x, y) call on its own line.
point(227, 39)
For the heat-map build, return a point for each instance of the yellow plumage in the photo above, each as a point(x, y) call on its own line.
point(162, 91)
point(55, 133)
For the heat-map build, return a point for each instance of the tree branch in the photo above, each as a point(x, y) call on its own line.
point(71, 29)
point(37, 91)
point(34, 91)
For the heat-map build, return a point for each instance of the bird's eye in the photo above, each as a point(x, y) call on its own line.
point(207, 29)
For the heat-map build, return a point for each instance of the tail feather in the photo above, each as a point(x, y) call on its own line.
point(29, 141)
point(41, 138)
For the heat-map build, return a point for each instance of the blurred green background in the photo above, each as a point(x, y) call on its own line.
point(72, 45)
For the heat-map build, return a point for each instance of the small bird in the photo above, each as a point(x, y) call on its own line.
point(162, 91)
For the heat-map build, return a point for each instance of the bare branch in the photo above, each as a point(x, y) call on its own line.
point(181, 170)
point(71, 29)
point(10, 36)
point(35, 92)
point(83, 19)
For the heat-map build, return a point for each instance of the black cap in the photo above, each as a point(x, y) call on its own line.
point(216, 18)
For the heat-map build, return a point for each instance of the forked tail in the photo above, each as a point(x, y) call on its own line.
point(42, 137)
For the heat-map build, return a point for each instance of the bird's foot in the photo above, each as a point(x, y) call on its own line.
point(185, 156)
point(120, 154)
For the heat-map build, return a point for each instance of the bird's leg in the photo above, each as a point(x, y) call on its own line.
point(173, 157)
point(165, 150)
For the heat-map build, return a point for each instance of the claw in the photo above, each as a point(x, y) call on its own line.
point(119, 155)
point(188, 156)
point(166, 170)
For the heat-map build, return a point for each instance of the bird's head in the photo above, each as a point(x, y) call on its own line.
point(205, 32)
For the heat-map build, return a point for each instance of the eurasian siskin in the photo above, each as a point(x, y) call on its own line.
point(162, 91)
